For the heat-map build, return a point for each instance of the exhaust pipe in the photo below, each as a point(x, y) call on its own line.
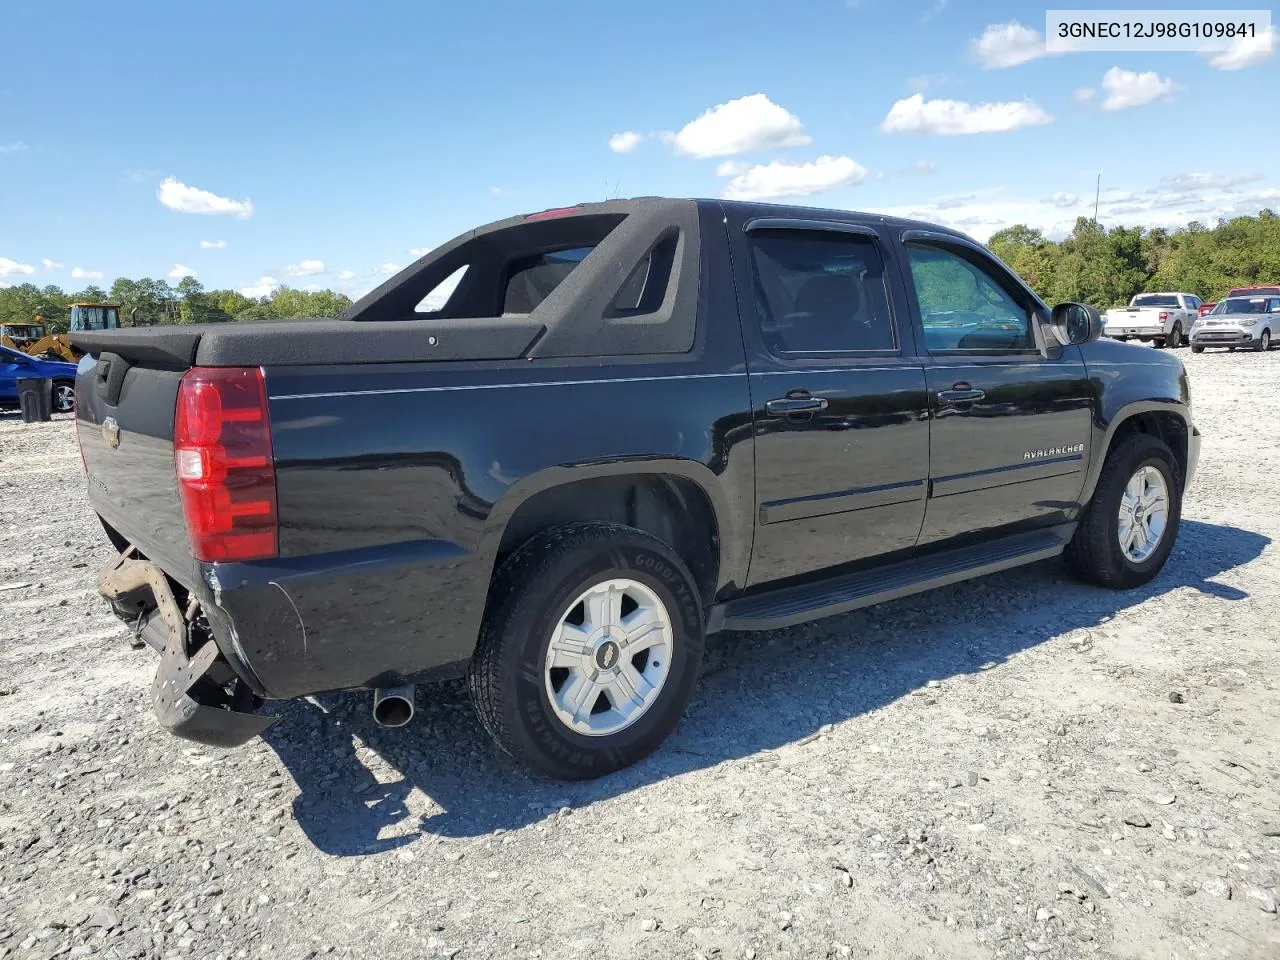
point(393, 706)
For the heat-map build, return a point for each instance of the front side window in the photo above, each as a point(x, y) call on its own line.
point(821, 293)
point(963, 307)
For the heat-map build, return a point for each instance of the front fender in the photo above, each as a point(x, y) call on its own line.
point(1105, 432)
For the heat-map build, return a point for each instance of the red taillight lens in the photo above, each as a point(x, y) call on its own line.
point(1164, 315)
point(226, 474)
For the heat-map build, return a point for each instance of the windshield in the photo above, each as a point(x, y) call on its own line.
point(1242, 305)
point(1155, 300)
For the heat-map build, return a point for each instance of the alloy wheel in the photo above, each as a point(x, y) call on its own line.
point(608, 658)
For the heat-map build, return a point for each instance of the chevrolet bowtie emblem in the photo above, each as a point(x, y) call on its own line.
point(111, 432)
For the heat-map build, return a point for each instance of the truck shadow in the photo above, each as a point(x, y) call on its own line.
point(365, 790)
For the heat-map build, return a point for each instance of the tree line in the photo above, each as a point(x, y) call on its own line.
point(1105, 268)
point(1091, 265)
point(148, 302)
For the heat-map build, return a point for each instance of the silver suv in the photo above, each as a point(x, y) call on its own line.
point(1238, 322)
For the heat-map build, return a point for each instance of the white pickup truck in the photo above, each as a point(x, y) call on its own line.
point(1164, 318)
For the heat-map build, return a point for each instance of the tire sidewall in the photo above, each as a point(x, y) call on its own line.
point(1125, 569)
point(575, 755)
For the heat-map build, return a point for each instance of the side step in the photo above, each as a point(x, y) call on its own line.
point(788, 606)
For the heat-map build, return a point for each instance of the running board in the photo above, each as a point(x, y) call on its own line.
point(787, 606)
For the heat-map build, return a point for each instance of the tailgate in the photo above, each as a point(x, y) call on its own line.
point(124, 417)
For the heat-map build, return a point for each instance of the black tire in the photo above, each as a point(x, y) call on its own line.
point(1196, 349)
point(1094, 553)
point(529, 595)
point(1175, 335)
point(1264, 342)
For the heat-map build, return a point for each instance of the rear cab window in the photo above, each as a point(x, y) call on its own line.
point(821, 292)
point(1156, 300)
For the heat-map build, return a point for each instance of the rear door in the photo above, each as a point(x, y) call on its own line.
point(1011, 406)
point(838, 396)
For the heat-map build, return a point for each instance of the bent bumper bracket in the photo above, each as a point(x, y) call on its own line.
point(189, 694)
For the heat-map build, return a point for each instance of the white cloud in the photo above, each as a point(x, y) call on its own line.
point(782, 179)
point(80, 273)
point(1126, 89)
point(263, 287)
point(347, 275)
point(11, 268)
point(1007, 45)
point(982, 213)
point(185, 199)
point(1247, 51)
point(307, 268)
point(387, 268)
point(213, 244)
point(1063, 199)
point(15, 147)
point(179, 271)
point(1189, 182)
point(416, 252)
point(745, 125)
point(625, 142)
point(731, 168)
point(500, 192)
point(915, 114)
point(1084, 94)
point(51, 264)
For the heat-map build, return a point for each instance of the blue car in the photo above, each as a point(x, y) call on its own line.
point(15, 366)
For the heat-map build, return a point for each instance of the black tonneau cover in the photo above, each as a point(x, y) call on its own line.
point(299, 342)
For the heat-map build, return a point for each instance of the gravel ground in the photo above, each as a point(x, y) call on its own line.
point(1016, 767)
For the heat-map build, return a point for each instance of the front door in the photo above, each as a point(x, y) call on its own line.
point(839, 401)
point(1011, 407)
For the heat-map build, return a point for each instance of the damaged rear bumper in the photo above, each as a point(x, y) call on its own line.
point(196, 695)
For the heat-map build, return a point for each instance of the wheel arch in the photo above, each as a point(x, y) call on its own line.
point(678, 501)
point(1167, 419)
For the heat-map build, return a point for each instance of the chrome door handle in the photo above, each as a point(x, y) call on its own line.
point(967, 395)
point(788, 405)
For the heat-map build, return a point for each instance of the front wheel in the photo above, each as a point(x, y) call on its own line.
point(1196, 349)
point(1129, 527)
point(589, 650)
point(64, 396)
point(1264, 342)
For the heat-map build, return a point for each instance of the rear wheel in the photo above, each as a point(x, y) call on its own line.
point(64, 396)
point(589, 651)
point(1129, 527)
point(1175, 335)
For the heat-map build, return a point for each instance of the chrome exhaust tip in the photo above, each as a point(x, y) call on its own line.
point(393, 706)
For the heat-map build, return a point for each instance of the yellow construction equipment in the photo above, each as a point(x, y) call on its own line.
point(32, 337)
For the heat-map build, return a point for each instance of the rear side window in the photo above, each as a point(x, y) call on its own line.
point(821, 293)
point(533, 279)
point(963, 307)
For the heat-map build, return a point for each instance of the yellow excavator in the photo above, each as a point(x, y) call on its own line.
point(33, 339)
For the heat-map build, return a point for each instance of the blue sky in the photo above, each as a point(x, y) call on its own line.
point(322, 143)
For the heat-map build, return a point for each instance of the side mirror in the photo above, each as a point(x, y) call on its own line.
point(1076, 323)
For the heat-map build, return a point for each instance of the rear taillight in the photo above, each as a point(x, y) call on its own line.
point(1164, 315)
point(222, 450)
point(552, 214)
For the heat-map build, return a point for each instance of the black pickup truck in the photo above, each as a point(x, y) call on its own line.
point(558, 451)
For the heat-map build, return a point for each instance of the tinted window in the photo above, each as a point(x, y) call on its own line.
point(1242, 305)
point(820, 293)
point(965, 308)
point(1156, 300)
point(530, 281)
